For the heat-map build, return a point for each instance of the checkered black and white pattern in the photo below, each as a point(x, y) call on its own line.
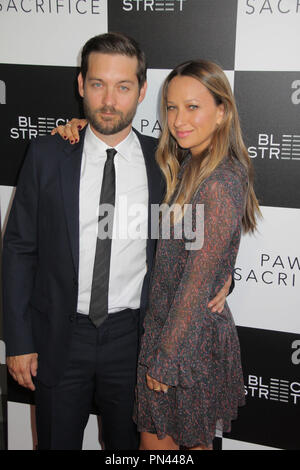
point(257, 44)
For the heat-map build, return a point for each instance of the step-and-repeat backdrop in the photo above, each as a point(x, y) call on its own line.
point(257, 44)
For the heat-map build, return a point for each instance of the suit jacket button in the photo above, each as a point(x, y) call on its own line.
point(72, 317)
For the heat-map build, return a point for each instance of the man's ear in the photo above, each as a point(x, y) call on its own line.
point(80, 85)
point(143, 92)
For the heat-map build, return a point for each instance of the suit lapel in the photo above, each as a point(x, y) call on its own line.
point(70, 183)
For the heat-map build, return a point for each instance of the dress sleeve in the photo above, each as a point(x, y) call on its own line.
point(187, 319)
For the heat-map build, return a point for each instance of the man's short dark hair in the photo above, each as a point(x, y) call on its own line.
point(115, 43)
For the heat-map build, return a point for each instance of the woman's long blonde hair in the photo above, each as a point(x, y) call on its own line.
point(226, 141)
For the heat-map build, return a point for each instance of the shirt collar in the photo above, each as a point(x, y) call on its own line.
point(125, 148)
point(94, 145)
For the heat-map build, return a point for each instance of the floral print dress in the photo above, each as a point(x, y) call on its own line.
point(185, 345)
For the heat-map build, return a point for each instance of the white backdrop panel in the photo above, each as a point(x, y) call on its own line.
point(231, 444)
point(267, 293)
point(267, 35)
point(48, 32)
point(6, 198)
point(22, 433)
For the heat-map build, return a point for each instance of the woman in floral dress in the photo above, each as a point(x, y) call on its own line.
point(190, 379)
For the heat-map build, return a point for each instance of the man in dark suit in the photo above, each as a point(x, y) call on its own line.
point(75, 298)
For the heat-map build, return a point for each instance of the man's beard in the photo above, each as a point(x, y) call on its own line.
point(108, 126)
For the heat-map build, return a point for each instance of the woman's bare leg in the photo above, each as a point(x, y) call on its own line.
point(202, 448)
point(151, 442)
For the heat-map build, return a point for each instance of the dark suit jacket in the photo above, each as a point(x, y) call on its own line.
point(41, 251)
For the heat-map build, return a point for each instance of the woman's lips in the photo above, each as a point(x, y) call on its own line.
point(183, 134)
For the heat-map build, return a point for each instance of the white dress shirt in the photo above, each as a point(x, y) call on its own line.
point(128, 249)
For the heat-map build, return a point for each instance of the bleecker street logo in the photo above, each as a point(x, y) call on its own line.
point(153, 5)
point(283, 147)
point(28, 127)
point(273, 389)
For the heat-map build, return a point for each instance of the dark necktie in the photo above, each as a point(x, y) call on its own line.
point(99, 293)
